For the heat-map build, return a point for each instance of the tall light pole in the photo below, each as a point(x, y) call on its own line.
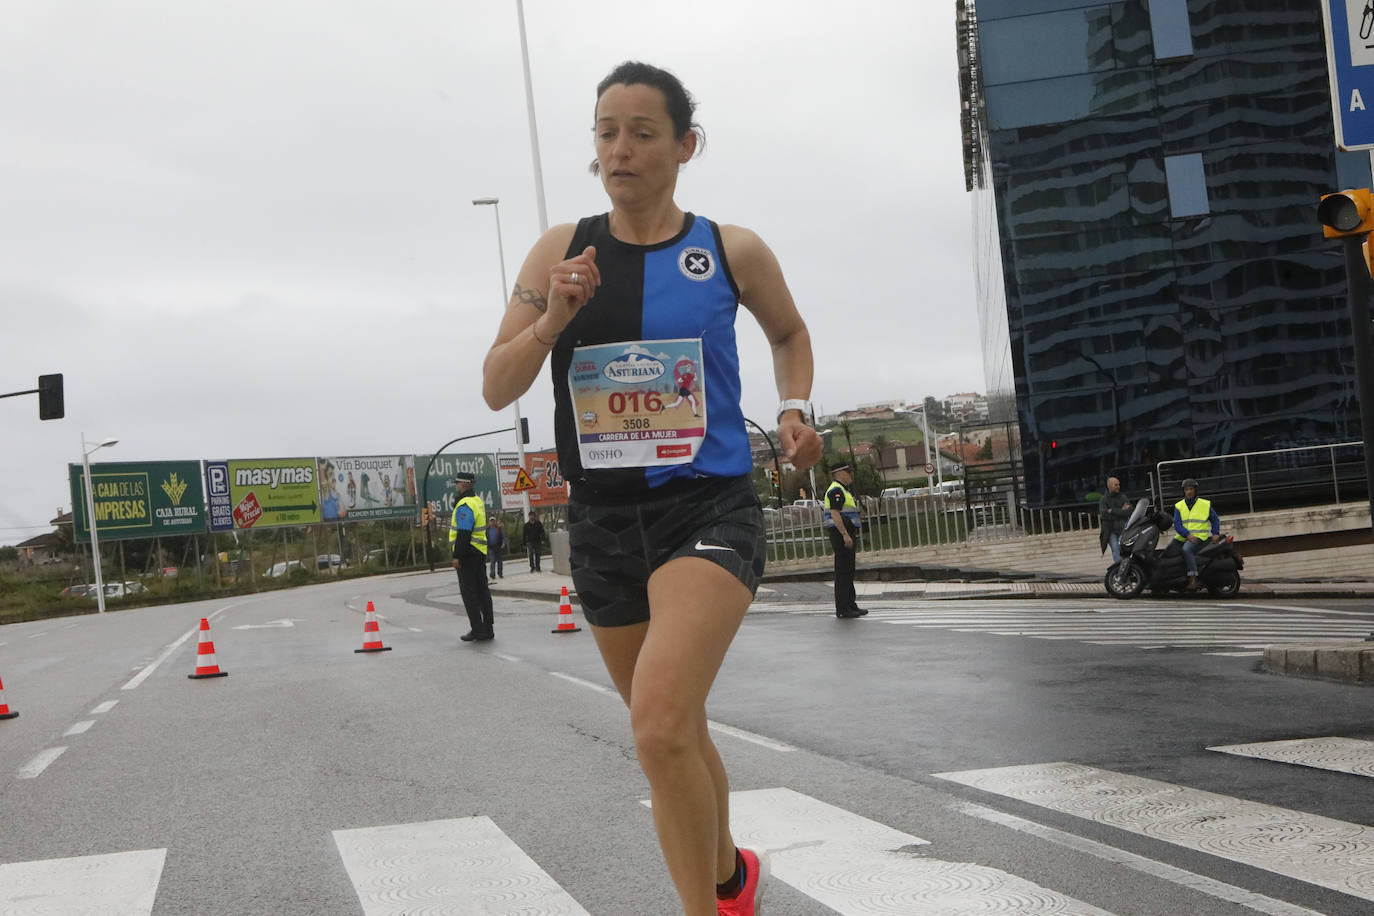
point(534, 127)
point(495, 204)
point(90, 516)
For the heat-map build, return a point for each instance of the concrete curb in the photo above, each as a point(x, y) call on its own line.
point(1348, 663)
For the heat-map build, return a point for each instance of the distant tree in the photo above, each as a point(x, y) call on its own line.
point(9, 554)
point(984, 453)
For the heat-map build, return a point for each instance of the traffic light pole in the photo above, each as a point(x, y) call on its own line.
point(424, 486)
point(777, 468)
point(1357, 274)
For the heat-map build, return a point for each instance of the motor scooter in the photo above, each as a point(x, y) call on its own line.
point(1144, 565)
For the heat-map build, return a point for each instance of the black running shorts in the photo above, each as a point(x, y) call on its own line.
point(615, 548)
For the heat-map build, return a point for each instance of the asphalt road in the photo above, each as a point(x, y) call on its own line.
point(894, 764)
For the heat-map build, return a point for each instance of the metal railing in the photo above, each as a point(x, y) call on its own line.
point(907, 523)
point(1271, 479)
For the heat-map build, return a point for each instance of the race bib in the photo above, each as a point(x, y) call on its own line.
point(640, 404)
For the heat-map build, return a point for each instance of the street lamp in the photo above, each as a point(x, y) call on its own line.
point(90, 515)
point(1116, 406)
point(495, 204)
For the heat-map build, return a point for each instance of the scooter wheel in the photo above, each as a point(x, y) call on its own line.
point(1124, 580)
point(1228, 586)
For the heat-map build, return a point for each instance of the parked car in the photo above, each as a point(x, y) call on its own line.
point(803, 510)
point(283, 569)
point(122, 589)
point(78, 591)
point(375, 557)
point(330, 561)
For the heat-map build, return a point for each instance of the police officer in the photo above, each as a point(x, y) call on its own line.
point(467, 536)
point(1195, 523)
point(842, 523)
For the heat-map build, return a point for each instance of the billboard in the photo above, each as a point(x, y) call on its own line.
point(440, 493)
point(139, 499)
point(542, 470)
point(262, 493)
point(369, 488)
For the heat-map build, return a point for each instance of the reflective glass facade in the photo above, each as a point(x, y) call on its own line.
point(1138, 334)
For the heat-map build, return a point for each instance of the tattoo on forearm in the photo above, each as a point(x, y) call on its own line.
point(530, 296)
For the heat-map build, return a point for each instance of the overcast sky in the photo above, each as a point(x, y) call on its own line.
point(245, 229)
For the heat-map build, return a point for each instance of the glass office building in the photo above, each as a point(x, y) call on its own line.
point(1152, 280)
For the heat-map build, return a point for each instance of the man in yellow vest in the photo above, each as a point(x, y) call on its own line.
point(1195, 523)
point(467, 536)
point(842, 523)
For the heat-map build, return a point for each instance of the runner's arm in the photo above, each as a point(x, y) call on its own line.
point(763, 291)
point(534, 318)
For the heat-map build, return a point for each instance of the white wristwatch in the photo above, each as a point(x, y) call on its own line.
point(795, 404)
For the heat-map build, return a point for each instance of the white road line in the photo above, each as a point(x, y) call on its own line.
point(104, 707)
point(447, 868)
point(35, 767)
point(415, 629)
point(860, 867)
point(1319, 850)
point(730, 730)
point(118, 884)
point(1259, 654)
point(752, 738)
point(1302, 610)
point(1340, 755)
point(79, 728)
point(505, 658)
point(36, 635)
point(599, 688)
point(1210, 886)
point(166, 653)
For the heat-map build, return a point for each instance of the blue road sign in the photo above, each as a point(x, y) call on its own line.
point(1350, 64)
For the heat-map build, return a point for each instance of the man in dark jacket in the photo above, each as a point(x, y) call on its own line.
point(1115, 508)
point(534, 540)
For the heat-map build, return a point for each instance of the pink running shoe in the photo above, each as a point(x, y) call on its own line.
point(750, 899)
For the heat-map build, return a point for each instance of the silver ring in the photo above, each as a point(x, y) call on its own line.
point(574, 276)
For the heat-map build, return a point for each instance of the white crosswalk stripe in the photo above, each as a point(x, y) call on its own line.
point(459, 866)
point(1318, 850)
point(842, 860)
point(117, 884)
point(859, 867)
point(1340, 755)
point(1143, 624)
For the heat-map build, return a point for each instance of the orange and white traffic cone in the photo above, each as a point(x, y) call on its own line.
point(206, 666)
point(5, 711)
point(565, 617)
point(372, 635)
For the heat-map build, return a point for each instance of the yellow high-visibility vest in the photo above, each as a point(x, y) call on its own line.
point(479, 523)
point(850, 510)
point(1197, 519)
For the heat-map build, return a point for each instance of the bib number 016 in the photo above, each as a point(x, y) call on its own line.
point(619, 401)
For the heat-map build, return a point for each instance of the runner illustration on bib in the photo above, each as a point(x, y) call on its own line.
point(618, 392)
point(685, 374)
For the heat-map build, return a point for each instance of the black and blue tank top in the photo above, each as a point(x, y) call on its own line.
point(671, 291)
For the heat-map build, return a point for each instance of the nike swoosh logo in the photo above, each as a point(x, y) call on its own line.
point(701, 546)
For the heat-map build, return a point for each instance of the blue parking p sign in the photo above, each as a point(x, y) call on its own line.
point(1350, 64)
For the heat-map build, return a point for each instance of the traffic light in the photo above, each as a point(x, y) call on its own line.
point(425, 516)
point(525, 430)
point(1346, 213)
point(50, 406)
point(772, 475)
